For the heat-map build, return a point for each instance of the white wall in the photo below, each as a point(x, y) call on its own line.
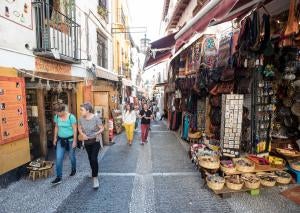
point(14, 37)
point(187, 14)
point(88, 10)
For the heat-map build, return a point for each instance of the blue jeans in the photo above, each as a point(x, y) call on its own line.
point(60, 153)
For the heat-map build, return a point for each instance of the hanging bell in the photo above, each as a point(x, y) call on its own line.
point(48, 86)
point(59, 88)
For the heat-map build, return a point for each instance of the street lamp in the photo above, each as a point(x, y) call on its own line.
point(145, 43)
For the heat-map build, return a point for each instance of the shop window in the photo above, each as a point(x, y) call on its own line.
point(102, 50)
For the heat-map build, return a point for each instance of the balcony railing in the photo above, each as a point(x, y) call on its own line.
point(126, 70)
point(57, 35)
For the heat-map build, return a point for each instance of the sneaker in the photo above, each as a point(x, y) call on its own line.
point(95, 183)
point(56, 181)
point(73, 172)
point(142, 143)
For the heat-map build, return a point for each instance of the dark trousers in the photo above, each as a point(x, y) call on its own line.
point(92, 151)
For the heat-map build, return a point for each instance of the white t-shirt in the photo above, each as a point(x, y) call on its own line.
point(129, 117)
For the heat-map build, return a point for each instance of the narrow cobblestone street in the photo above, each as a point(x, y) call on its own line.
point(157, 177)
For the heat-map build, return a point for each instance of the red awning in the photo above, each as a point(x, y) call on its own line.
point(243, 7)
point(159, 51)
point(200, 22)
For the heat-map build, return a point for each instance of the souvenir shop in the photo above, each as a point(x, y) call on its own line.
point(43, 92)
point(237, 100)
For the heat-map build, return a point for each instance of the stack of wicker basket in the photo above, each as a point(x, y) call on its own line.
point(215, 182)
point(267, 179)
point(234, 182)
point(283, 177)
point(209, 162)
point(251, 181)
point(244, 165)
point(227, 166)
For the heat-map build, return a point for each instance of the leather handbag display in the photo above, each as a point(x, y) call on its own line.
point(227, 74)
point(292, 26)
point(255, 32)
point(215, 101)
point(225, 87)
point(215, 116)
point(244, 86)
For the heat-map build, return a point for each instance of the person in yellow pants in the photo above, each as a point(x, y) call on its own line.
point(129, 118)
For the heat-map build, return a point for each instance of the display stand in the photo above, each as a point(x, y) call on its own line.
point(117, 116)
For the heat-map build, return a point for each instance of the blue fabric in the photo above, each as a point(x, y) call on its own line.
point(186, 127)
point(60, 152)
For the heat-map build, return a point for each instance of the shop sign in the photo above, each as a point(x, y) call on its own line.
point(13, 114)
point(52, 66)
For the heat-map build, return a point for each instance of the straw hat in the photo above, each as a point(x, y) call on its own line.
point(296, 109)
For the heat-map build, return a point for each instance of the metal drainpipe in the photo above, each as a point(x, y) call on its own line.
point(87, 34)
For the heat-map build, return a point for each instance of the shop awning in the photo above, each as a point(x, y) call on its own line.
point(50, 76)
point(214, 10)
point(243, 7)
point(104, 74)
point(160, 84)
point(160, 51)
point(127, 82)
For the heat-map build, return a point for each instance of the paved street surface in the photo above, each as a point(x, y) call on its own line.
point(157, 177)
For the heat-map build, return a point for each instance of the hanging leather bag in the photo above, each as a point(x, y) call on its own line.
point(225, 87)
point(244, 86)
point(255, 32)
point(215, 116)
point(227, 74)
point(266, 33)
point(292, 26)
point(215, 101)
point(216, 74)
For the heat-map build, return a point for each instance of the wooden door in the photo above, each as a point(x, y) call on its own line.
point(101, 100)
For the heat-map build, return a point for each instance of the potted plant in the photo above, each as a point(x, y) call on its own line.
point(102, 11)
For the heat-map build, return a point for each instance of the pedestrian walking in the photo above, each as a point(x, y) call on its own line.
point(165, 115)
point(154, 110)
point(65, 139)
point(90, 129)
point(145, 116)
point(137, 112)
point(129, 118)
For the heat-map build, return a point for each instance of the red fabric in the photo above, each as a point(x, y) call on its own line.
point(144, 132)
point(218, 12)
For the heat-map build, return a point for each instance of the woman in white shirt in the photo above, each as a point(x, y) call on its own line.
point(129, 118)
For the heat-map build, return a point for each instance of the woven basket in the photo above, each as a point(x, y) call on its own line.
point(282, 180)
point(234, 186)
point(215, 185)
point(245, 168)
point(267, 183)
point(283, 177)
point(228, 170)
point(251, 185)
point(207, 164)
